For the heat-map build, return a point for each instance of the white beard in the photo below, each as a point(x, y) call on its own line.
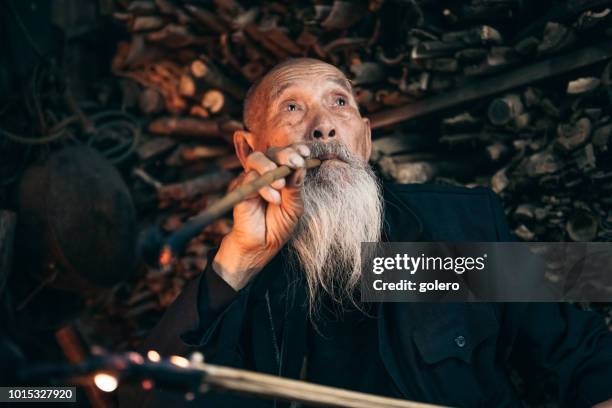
point(343, 207)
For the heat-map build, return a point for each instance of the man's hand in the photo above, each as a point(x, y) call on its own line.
point(605, 404)
point(264, 222)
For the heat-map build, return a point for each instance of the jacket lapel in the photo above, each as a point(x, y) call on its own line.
point(401, 224)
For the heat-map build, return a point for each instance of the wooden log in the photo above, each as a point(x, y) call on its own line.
point(141, 7)
point(436, 65)
point(474, 36)
point(229, 162)
point(601, 137)
point(146, 23)
point(471, 55)
point(208, 183)
point(367, 73)
point(424, 167)
point(176, 36)
point(503, 110)
point(556, 37)
point(216, 102)
point(188, 86)
point(203, 152)
point(582, 85)
point(572, 135)
point(582, 226)
point(527, 47)
point(154, 147)
point(184, 126)
point(406, 143)
point(8, 220)
point(460, 122)
point(204, 68)
point(434, 49)
point(344, 14)
point(541, 163)
point(150, 101)
point(207, 18)
point(496, 84)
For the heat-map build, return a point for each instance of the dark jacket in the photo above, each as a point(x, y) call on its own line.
point(446, 353)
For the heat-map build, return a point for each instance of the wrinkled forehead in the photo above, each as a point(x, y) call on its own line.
point(303, 75)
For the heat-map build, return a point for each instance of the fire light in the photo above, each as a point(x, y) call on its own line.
point(153, 356)
point(106, 382)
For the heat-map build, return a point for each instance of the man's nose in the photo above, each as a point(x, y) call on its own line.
point(323, 131)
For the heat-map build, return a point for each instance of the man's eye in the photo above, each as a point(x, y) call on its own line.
point(340, 101)
point(292, 107)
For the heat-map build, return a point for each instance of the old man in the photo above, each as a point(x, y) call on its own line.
point(280, 294)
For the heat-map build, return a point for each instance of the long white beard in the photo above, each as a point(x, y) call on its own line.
point(343, 207)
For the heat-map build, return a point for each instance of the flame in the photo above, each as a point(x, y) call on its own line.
point(153, 356)
point(106, 382)
point(147, 384)
point(165, 256)
point(179, 361)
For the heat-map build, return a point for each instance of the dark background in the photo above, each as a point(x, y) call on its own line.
point(154, 88)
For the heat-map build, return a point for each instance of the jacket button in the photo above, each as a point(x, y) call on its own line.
point(460, 341)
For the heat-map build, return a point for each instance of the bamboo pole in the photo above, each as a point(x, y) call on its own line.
point(179, 374)
point(269, 386)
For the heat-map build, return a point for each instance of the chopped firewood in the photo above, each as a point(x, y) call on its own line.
point(582, 85)
point(582, 226)
point(207, 183)
point(146, 23)
point(344, 14)
point(503, 110)
point(154, 147)
point(185, 127)
point(478, 35)
point(215, 101)
point(203, 152)
point(208, 19)
point(556, 38)
point(229, 162)
point(204, 68)
point(150, 101)
point(572, 135)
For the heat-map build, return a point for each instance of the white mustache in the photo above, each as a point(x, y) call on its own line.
point(332, 150)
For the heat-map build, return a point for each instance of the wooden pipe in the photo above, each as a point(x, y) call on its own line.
point(177, 241)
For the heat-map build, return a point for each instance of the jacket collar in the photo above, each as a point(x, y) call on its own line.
point(401, 223)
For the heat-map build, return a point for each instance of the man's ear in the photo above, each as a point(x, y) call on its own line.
point(368, 139)
point(244, 145)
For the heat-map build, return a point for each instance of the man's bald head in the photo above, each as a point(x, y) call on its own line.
point(302, 100)
point(267, 88)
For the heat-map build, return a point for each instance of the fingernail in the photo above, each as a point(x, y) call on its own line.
point(296, 161)
point(299, 180)
point(304, 150)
